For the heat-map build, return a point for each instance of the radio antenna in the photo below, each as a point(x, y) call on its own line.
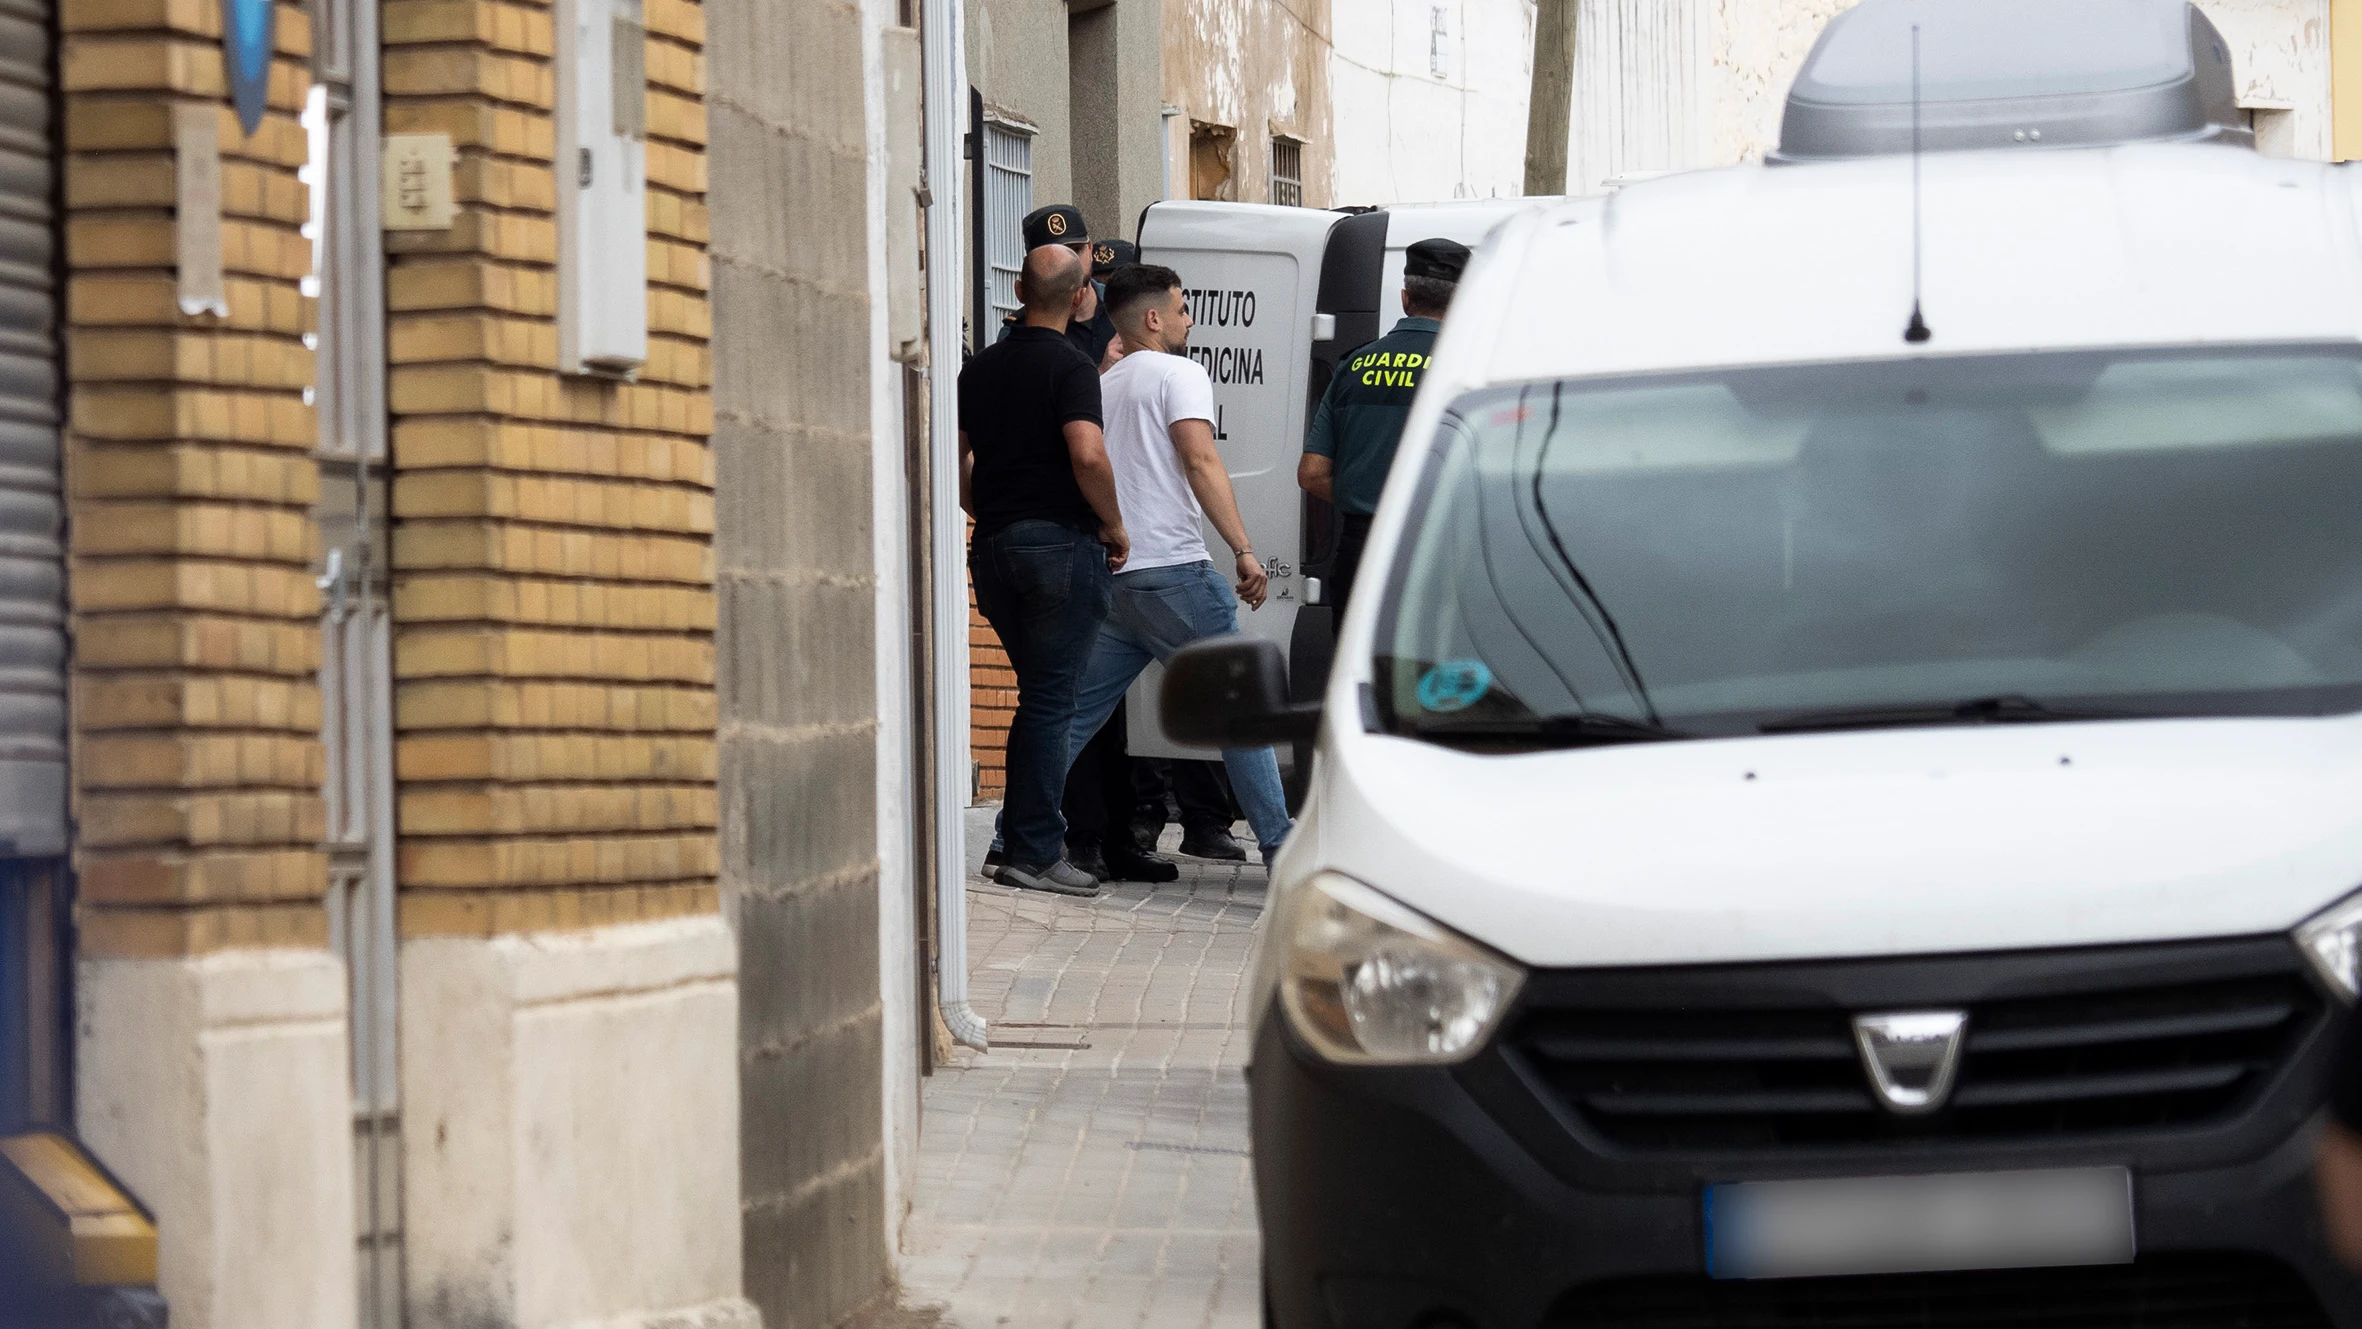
point(1916, 331)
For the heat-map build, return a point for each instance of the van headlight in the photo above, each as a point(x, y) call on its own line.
point(1369, 981)
point(2332, 940)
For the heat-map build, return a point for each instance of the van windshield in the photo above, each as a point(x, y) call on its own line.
point(1963, 540)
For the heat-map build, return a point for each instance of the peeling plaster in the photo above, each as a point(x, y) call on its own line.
point(1260, 67)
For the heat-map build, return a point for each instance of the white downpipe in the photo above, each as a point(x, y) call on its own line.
point(1164, 126)
point(947, 181)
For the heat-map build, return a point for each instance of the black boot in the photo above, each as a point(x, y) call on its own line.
point(1137, 866)
point(1085, 855)
point(1215, 843)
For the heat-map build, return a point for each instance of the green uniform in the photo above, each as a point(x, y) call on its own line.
point(1360, 417)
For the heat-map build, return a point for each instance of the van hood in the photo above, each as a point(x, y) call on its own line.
point(1891, 842)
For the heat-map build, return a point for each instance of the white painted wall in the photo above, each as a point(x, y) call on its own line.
point(219, 1089)
point(1404, 133)
point(1673, 84)
point(570, 1129)
point(890, 552)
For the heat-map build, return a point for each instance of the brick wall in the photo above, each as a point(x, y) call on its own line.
point(552, 549)
point(197, 762)
point(992, 700)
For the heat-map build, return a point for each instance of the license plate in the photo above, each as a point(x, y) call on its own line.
point(1892, 1225)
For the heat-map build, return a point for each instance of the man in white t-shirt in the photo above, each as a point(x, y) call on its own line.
point(1170, 481)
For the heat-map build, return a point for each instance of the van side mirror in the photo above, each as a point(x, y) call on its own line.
point(1232, 692)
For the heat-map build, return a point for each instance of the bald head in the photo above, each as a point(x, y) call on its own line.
point(1048, 282)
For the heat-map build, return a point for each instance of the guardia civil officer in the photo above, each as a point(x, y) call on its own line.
point(1359, 422)
point(1092, 331)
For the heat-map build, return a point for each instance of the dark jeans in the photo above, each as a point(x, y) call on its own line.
point(1045, 590)
point(1353, 532)
point(1099, 788)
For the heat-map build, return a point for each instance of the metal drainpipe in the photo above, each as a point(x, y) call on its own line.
point(942, 43)
point(1165, 145)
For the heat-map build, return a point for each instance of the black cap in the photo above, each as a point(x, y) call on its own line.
point(1057, 224)
point(1442, 260)
point(1108, 255)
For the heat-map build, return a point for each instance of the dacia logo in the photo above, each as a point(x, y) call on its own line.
point(1912, 1057)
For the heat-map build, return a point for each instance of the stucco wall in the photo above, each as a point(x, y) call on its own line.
point(1017, 61)
point(1262, 68)
point(1408, 135)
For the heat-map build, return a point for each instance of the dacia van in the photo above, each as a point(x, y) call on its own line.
point(1843, 805)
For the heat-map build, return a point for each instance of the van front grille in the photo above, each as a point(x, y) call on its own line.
point(1695, 1077)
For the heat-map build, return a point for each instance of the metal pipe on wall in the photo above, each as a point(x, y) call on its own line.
point(941, 55)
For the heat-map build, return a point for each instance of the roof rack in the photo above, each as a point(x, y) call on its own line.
point(2011, 73)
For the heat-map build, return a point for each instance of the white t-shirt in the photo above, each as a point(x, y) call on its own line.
point(1141, 397)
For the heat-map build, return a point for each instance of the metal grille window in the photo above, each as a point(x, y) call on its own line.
point(32, 603)
point(1287, 172)
point(1008, 196)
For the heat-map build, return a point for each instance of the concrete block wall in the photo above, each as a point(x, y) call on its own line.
point(794, 440)
point(553, 535)
point(197, 761)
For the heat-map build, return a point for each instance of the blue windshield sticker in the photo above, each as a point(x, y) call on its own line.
point(1455, 685)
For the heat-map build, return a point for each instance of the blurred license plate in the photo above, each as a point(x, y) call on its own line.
point(1888, 1225)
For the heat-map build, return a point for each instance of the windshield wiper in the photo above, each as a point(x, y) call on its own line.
point(2006, 708)
point(1553, 731)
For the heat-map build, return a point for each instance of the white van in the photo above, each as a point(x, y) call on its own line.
point(1812, 826)
point(1280, 295)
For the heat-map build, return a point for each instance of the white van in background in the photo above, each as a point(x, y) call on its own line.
point(1815, 824)
point(1280, 295)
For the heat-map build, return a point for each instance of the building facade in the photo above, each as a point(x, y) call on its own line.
point(456, 722)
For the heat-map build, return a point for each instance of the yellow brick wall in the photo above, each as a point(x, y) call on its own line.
point(196, 711)
point(553, 536)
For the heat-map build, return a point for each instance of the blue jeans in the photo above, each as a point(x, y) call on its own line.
point(1044, 588)
point(1158, 611)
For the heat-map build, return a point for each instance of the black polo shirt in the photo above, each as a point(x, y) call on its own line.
point(1016, 398)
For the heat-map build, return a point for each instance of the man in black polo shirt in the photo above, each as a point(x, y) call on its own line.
point(1035, 476)
point(1091, 331)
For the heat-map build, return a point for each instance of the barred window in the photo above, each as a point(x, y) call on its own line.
point(1008, 196)
point(1287, 172)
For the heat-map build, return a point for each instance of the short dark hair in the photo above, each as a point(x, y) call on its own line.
point(1134, 284)
point(1432, 294)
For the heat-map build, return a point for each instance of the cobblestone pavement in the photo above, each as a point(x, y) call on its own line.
point(1091, 1170)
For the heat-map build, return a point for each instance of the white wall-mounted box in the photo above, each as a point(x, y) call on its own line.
point(602, 188)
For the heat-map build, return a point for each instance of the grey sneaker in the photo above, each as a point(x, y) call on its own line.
point(1061, 878)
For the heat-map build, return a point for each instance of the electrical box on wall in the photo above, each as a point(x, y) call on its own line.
point(602, 188)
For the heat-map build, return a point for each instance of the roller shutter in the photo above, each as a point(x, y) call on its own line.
point(32, 617)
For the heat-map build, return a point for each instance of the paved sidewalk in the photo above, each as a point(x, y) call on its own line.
point(1091, 1170)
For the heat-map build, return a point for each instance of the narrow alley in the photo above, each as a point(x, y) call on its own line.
point(1091, 1170)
